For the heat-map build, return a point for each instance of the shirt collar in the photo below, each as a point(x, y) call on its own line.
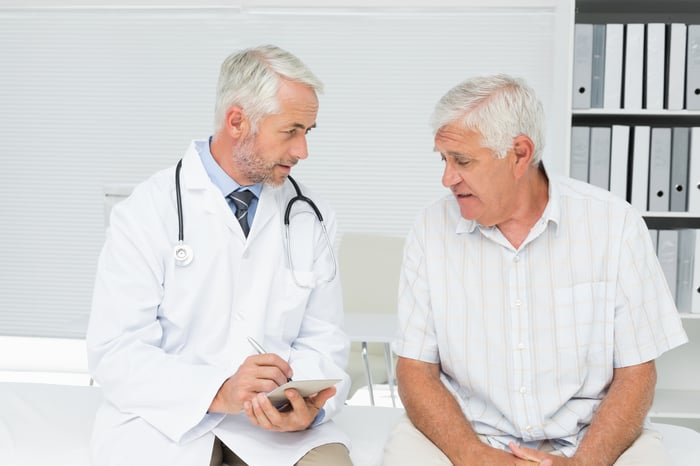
point(218, 176)
point(551, 214)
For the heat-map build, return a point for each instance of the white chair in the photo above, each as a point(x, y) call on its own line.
point(369, 267)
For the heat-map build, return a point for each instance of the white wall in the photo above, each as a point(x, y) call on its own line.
point(94, 94)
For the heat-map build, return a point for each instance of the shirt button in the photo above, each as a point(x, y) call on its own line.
point(528, 428)
point(518, 302)
point(516, 259)
point(240, 316)
point(521, 346)
point(523, 390)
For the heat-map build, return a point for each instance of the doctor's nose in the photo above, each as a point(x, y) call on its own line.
point(300, 149)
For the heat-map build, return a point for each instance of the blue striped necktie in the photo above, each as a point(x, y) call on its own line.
point(241, 199)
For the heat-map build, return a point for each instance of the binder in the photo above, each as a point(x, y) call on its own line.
point(655, 66)
point(634, 66)
point(654, 234)
point(692, 93)
point(695, 287)
point(583, 55)
point(675, 82)
point(667, 251)
point(686, 260)
point(659, 169)
point(598, 66)
point(640, 167)
point(694, 172)
point(580, 137)
point(599, 165)
point(619, 154)
point(679, 169)
point(612, 88)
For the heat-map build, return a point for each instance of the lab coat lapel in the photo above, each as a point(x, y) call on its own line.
point(268, 207)
point(196, 181)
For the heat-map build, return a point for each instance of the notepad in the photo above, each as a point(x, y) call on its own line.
point(304, 387)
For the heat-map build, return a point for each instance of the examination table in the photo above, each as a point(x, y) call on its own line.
point(44, 424)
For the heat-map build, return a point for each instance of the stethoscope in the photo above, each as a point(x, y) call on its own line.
point(183, 252)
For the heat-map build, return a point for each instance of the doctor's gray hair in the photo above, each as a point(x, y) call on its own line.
point(250, 79)
point(499, 107)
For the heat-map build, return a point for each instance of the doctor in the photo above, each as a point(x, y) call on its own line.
point(168, 336)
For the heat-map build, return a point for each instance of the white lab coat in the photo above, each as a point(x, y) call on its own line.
point(163, 338)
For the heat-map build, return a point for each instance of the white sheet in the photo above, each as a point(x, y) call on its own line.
point(43, 424)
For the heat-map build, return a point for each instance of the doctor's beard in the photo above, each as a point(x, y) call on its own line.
point(254, 167)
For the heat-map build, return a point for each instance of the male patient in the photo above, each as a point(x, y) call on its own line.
point(531, 306)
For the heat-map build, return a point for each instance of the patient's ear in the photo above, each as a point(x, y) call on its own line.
point(524, 150)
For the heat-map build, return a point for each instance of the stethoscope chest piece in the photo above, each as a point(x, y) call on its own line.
point(183, 254)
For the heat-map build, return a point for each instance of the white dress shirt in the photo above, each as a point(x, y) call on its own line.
point(528, 338)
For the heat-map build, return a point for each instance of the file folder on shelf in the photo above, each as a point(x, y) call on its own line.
point(654, 235)
point(634, 66)
point(612, 81)
point(684, 279)
point(659, 169)
point(655, 66)
point(598, 65)
point(619, 154)
point(675, 83)
point(692, 95)
point(694, 172)
point(640, 167)
point(695, 287)
point(583, 55)
point(668, 257)
point(599, 165)
point(679, 169)
point(580, 136)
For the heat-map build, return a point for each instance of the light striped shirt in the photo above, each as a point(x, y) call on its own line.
point(527, 338)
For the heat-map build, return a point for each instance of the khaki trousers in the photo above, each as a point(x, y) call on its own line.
point(331, 454)
point(407, 445)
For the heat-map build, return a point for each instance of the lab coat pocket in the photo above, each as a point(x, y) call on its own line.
point(287, 306)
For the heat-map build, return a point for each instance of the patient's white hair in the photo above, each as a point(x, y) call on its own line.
point(499, 107)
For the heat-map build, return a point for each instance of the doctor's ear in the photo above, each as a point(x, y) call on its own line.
point(237, 124)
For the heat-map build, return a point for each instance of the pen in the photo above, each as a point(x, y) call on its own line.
point(260, 350)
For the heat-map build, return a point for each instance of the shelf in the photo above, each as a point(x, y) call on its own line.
point(637, 11)
point(671, 220)
point(670, 403)
point(638, 112)
point(606, 117)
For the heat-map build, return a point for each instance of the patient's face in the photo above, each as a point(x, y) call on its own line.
point(482, 183)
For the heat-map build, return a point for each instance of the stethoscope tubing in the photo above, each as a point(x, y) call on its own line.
point(184, 254)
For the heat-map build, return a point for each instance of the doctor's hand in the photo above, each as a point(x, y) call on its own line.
point(260, 373)
point(298, 416)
